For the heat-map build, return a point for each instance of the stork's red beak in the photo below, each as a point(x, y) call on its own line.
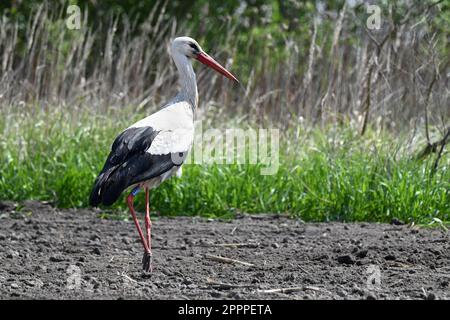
point(210, 62)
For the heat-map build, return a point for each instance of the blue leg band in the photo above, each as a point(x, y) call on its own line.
point(135, 191)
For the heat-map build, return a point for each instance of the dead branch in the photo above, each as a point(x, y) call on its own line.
point(433, 147)
point(290, 290)
point(427, 100)
point(228, 260)
point(368, 98)
point(237, 245)
point(222, 285)
point(308, 75)
point(232, 245)
point(441, 150)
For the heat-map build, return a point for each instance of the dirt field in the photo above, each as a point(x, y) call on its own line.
point(51, 254)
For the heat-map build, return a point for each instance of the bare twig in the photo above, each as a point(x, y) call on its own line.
point(433, 147)
point(304, 270)
point(427, 99)
point(128, 278)
point(441, 150)
point(222, 285)
point(235, 245)
point(368, 97)
point(290, 290)
point(227, 260)
point(308, 75)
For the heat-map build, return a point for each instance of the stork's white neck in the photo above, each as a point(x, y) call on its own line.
point(187, 79)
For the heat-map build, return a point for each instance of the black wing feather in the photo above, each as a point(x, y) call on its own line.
point(128, 163)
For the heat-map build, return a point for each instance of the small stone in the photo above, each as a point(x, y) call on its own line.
point(275, 245)
point(215, 294)
point(362, 254)
point(397, 222)
point(12, 254)
point(390, 257)
point(40, 268)
point(96, 251)
point(346, 259)
point(34, 283)
point(95, 237)
point(7, 206)
point(290, 277)
point(56, 259)
point(431, 296)
point(235, 295)
point(362, 262)
point(341, 293)
point(358, 290)
point(14, 285)
point(321, 257)
point(95, 283)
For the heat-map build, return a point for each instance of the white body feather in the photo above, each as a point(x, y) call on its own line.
point(175, 124)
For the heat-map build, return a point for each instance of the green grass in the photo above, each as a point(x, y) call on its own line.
point(329, 175)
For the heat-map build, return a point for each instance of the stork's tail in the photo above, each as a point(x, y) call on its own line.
point(107, 187)
point(96, 194)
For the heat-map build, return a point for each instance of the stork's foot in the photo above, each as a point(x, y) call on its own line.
point(147, 262)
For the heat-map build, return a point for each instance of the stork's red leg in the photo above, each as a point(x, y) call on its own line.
point(130, 199)
point(147, 259)
point(148, 222)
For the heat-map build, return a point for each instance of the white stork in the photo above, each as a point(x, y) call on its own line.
point(153, 149)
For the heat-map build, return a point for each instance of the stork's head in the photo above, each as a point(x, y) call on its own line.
point(191, 49)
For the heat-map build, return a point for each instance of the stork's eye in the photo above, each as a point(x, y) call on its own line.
point(194, 46)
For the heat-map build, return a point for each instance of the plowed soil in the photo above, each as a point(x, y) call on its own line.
point(47, 253)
